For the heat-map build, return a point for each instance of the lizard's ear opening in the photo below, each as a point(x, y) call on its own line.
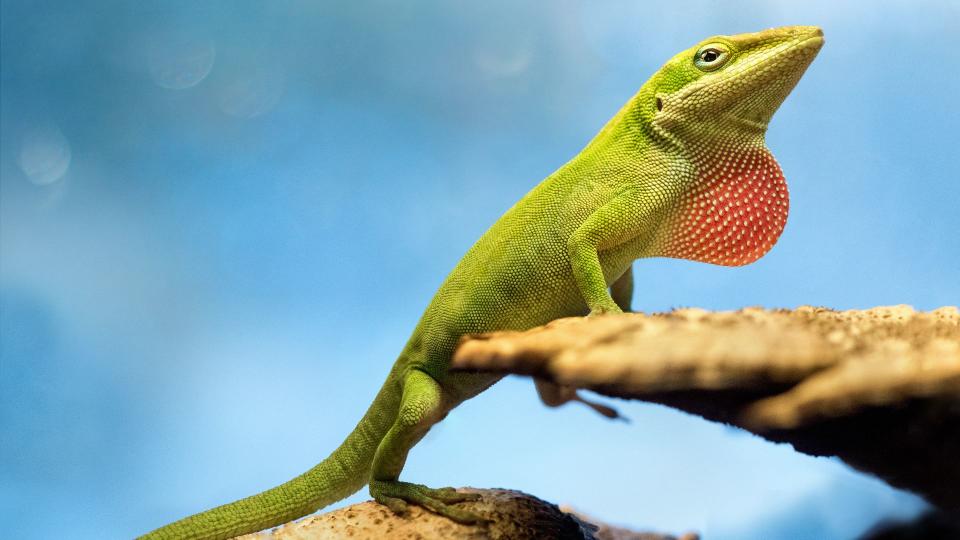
point(659, 104)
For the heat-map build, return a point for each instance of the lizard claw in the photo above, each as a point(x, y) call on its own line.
point(603, 410)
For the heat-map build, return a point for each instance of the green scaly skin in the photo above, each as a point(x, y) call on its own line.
point(681, 170)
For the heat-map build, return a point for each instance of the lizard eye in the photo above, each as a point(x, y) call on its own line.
point(711, 57)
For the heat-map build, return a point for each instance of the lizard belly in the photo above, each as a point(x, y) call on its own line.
point(732, 214)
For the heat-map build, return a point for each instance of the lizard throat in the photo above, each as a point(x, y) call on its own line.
point(732, 214)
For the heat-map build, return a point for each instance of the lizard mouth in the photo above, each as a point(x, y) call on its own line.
point(807, 46)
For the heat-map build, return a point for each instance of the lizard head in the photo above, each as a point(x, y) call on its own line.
point(730, 83)
point(710, 106)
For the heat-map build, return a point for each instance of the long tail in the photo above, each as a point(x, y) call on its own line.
point(339, 476)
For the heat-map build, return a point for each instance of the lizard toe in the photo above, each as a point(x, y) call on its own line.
point(451, 495)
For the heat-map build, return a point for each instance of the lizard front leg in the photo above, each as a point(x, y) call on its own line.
point(627, 216)
point(420, 408)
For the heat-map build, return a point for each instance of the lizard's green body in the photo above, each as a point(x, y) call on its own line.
point(681, 170)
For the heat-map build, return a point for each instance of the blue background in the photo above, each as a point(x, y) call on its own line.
point(221, 221)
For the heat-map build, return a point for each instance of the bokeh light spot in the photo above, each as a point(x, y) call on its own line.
point(44, 155)
point(503, 61)
point(179, 62)
point(252, 94)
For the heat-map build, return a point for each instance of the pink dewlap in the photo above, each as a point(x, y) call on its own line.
point(733, 214)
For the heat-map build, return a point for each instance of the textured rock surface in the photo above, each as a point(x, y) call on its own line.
point(880, 388)
point(604, 531)
point(514, 515)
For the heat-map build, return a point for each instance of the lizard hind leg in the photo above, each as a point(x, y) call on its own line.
point(420, 407)
point(555, 395)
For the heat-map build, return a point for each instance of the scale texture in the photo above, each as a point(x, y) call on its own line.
point(682, 170)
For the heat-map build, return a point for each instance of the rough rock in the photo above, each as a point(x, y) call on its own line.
point(879, 388)
point(514, 516)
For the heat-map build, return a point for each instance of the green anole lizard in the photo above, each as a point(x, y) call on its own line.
point(682, 170)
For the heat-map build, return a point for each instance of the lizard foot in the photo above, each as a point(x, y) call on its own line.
point(395, 496)
point(610, 308)
point(555, 395)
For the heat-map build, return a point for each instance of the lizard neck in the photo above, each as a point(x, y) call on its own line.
point(732, 212)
